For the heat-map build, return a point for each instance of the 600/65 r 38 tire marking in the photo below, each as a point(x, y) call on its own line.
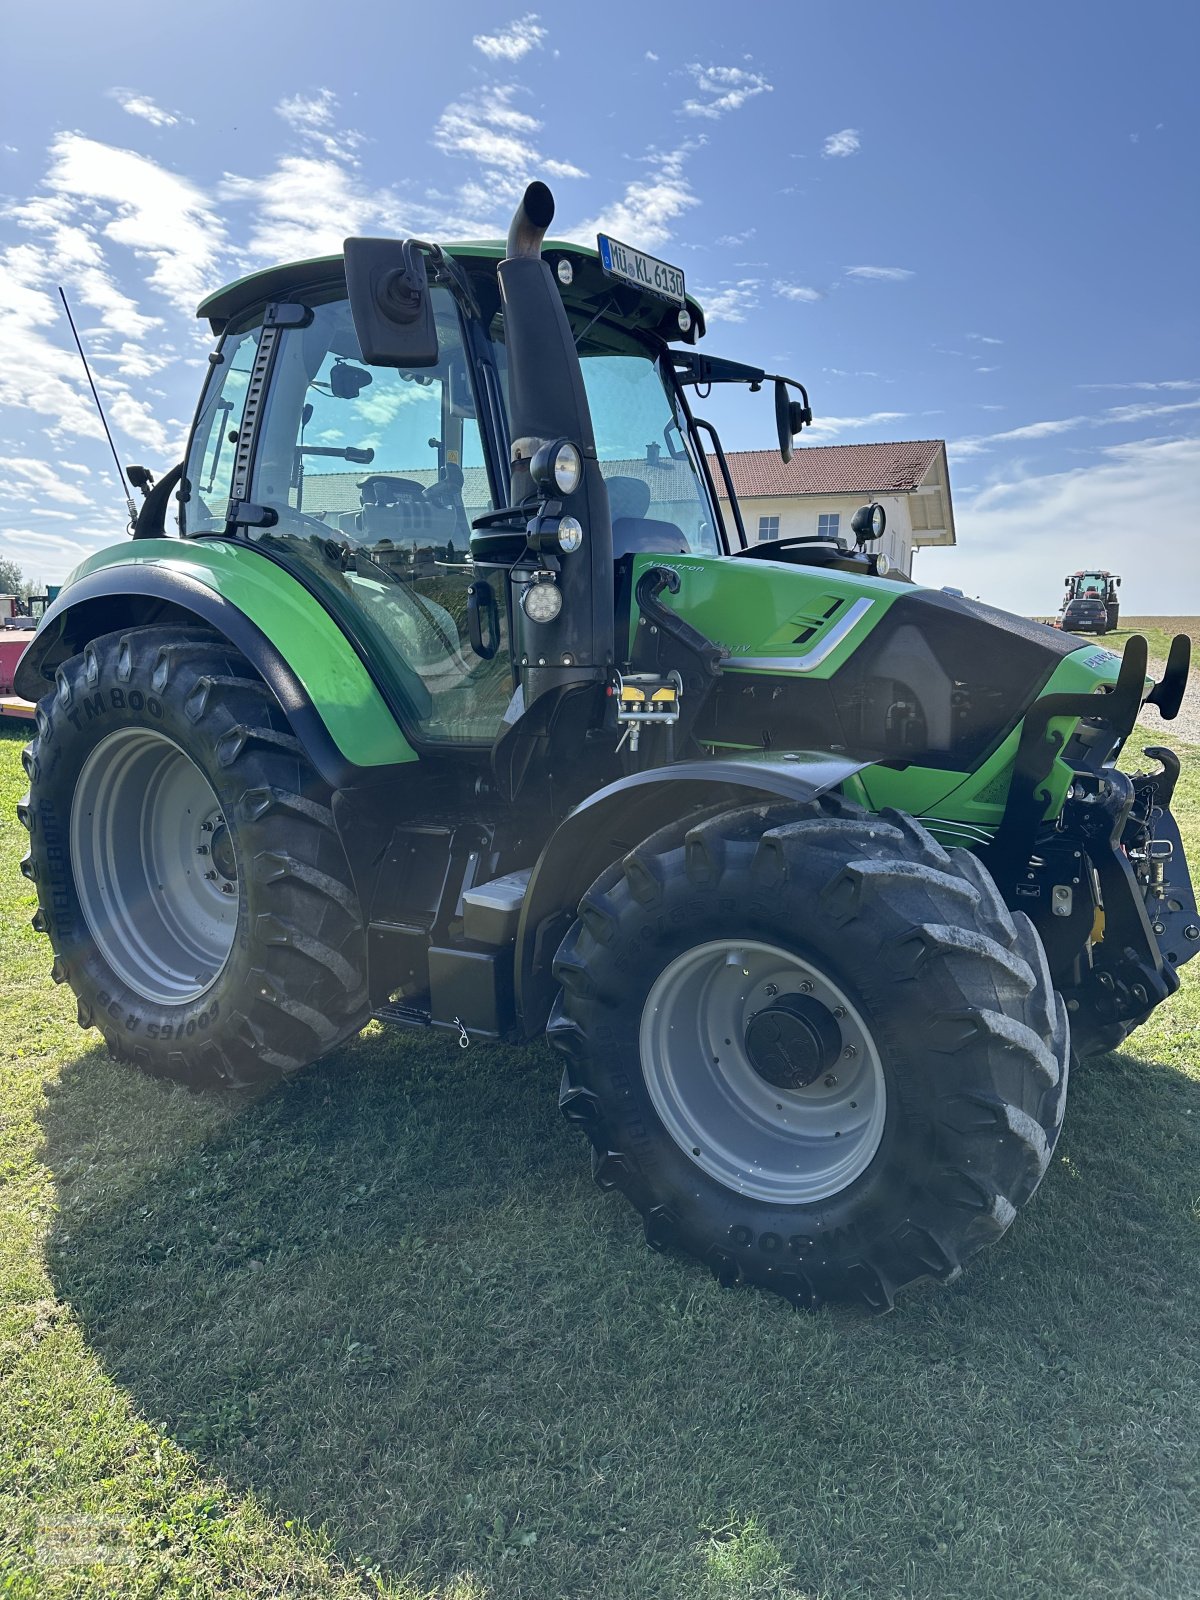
point(189, 874)
point(892, 960)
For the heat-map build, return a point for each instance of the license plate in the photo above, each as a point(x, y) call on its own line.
point(643, 271)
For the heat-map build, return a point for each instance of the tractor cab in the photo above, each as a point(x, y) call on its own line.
point(401, 489)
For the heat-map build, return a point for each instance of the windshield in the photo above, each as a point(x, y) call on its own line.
point(657, 493)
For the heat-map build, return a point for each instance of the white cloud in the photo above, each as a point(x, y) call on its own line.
point(1106, 513)
point(798, 291)
point(153, 212)
point(650, 56)
point(644, 213)
point(1029, 430)
point(312, 117)
point(513, 42)
point(731, 302)
point(304, 207)
point(141, 105)
point(983, 338)
point(1138, 413)
point(881, 274)
point(724, 88)
point(27, 478)
point(977, 445)
point(1164, 383)
point(488, 128)
point(845, 143)
point(823, 429)
point(48, 557)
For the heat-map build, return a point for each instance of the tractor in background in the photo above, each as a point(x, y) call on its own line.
point(1095, 585)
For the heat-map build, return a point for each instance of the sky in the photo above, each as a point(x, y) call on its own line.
point(949, 220)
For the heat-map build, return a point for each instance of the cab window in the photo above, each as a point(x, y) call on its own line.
point(375, 474)
point(208, 475)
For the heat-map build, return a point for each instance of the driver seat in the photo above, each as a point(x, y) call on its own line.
point(632, 529)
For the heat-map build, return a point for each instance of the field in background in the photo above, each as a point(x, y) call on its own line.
point(1157, 632)
point(378, 1333)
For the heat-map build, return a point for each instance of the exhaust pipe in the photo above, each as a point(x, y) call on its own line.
point(547, 400)
point(532, 217)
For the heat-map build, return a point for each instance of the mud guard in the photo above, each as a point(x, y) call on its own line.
point(331, 726)
point(613, 820)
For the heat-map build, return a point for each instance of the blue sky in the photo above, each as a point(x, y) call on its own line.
point(956, 221)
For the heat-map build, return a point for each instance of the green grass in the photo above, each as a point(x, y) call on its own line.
point(377, 1333)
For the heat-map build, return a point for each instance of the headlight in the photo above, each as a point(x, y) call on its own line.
point(541, 602)
point(570, 534)
point(558, 465)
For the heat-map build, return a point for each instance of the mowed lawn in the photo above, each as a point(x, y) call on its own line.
point(378, 1333)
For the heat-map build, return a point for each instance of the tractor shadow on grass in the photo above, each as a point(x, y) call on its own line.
point(387, 1299)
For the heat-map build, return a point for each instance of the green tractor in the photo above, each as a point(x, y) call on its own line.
point(456, 700)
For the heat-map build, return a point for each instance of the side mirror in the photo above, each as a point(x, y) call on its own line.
point(790, 417)
point(388, 289)
point(868, 522)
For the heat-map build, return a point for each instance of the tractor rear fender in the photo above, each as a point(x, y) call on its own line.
point(322, 686)
point(615, 819)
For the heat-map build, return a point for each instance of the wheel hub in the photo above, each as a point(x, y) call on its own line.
point(154, 865)
point(793, 1041)
point(763, 1070)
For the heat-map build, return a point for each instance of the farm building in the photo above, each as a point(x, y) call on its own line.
point(822, 486)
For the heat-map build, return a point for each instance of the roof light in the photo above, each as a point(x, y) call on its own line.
point(565, 272)
point(684, 319)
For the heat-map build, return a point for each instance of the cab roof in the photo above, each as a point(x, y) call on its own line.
point(592, 290)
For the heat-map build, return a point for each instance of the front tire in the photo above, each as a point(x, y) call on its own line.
point(812, 1048)
point(189, 875)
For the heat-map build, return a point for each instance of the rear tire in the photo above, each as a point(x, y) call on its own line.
point(938, 1072)
point(189, 875)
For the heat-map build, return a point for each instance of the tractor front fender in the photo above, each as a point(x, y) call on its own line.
point(320, 682)
point(615, 819)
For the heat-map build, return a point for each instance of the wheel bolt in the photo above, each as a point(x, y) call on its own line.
point(771, 988)
point(201, 849)
point(830, 1080)
point(839, 1011)
point(226, 888)
point(211, 876)
point(850, 1052)
point(806, 987)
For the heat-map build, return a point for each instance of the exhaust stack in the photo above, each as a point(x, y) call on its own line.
point(532, 217)
point(571, 653)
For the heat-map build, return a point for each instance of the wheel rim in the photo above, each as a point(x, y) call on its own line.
point(154, 866)
point(790, 1146)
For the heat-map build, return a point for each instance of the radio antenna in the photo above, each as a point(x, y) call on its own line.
point(103, 419)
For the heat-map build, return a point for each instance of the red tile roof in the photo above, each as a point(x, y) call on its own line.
point(831, 468)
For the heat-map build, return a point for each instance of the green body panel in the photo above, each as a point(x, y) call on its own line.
point(335, 680)
point(756, 608)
